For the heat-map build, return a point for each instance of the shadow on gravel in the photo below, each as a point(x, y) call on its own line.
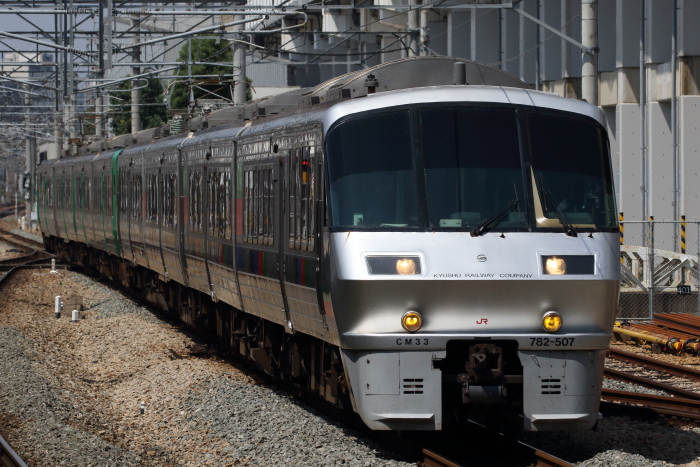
point(655, 441)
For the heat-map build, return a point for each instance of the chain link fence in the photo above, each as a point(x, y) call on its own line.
point(658, 268)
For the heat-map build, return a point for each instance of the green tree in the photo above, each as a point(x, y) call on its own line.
point(152, 115)
point(203, 50)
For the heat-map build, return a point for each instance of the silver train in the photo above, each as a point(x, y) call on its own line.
point(423, 241)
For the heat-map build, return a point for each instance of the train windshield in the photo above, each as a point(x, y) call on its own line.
point(571, 172)
point(372, 178)
point(470, 168)
point(473, 172)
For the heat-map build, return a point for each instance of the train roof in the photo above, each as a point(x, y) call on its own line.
point(380, 85)
point(405, 73)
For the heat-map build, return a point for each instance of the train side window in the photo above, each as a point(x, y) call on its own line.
point(219, 184)
point(152, 198)
point(66, 199)
point(169, 200)
point(258, 205)
point(135, 196)
point(88, 195)
point(195, 202)
point(301, 195)
point(108, 196)
point(123, 190)
point(80, 197)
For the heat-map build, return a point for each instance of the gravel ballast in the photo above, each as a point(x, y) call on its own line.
point(71, 392)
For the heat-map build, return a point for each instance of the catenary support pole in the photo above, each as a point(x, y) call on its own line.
point(135, 85)
point(240, 85)
point(589, 38)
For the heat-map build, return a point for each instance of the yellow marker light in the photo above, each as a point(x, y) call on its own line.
point(411, 321)
point(555, 265)
point(405, 266)
point(551, 322)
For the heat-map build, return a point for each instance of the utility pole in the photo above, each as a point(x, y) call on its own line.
point(413, 29)
point(589, 38)
point(240, 86)
point(135, 91)
point(30, 156)
point(424, 37)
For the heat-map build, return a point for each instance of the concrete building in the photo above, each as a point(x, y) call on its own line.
point(653, 126)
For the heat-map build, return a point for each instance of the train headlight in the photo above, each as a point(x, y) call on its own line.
point(405, 266)
point(411, 321)
point(551, 322)
point(554, 265)
point(393, 265)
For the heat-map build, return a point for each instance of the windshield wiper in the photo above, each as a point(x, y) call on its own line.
point(475, 232)
point(549, 199)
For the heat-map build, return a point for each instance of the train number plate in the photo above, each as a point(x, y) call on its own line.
point(683, 289)
point(552, 342)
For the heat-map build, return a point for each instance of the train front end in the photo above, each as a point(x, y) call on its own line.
point(474, 256)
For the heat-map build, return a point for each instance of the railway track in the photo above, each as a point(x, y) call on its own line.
point(528, 455)
point(661, 405)
point(682, 322)
point(478, 446)
point(655, 364)
point(33, 254)
point(685, 404)
point(8, 457)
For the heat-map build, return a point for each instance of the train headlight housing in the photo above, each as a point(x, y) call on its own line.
point(411, 321)
point(555, 265)
point(551, 322)
point(393, 265)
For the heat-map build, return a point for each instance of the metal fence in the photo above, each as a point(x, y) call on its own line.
point(658, 268)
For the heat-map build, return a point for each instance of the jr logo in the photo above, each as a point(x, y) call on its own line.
point(483, 321)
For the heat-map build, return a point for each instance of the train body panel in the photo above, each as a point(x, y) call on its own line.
point(483, 215)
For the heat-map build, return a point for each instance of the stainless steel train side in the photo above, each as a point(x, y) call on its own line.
point(413, 249)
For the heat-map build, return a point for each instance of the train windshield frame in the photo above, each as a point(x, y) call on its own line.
point(469, 167)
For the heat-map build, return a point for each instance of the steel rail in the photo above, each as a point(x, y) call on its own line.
point(535, 457)
point(650, 383)
point(678, 323)
point(655, 364)
point(8, 457)
point(10, 265)
point(684, 408)
point(433, 459)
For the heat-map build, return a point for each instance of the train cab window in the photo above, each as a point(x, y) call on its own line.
point(196, 202)
point(258, 206)
point(473, 168)
point(170, 200)
point(571, 171)
point(301, 195)
point(152, 198)
point(372, 179)
point(219, 184)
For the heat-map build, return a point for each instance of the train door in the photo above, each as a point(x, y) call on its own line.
point(161, 214)
point(82, 205)
point(300, 269)
point(257, 250)
point(74, 193)
point(282, 174)
point(53, 192)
